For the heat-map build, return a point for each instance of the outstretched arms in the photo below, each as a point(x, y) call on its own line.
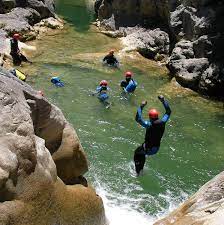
point(165, 103)
point(146, 123)
point(139, 118)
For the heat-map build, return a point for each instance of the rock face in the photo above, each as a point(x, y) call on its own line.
point(206, 207)
point(195, 31)
point(133, 12)
point(41, 153)
point(148, 42)
point(21, 15)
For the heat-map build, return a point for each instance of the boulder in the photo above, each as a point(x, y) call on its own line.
point(134, 12)
point(188, 72)
point(45, 10)
point(31, 193)
point(70, 158)
point(205, 207)
point(212, 80)
point(97, 5)
point(203, 47)
point(149, 43)
point(19, 20)
point(182, 50)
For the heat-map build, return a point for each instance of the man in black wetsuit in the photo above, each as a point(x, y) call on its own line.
point(17, 56)
point(154, 132)
point(110, 59)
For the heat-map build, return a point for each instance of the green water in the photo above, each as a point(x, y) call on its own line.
point(192, 149)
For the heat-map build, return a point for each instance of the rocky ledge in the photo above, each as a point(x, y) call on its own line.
point(188, 34)
point(42, 162)
point(206, 207)
point(29, 18)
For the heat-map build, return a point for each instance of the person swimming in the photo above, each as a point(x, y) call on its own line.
point(129, 84)
point(57, 82)
point(110, 59)
point(102, 92)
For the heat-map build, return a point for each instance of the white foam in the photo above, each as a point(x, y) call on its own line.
point(122, 210)
point(118, 214)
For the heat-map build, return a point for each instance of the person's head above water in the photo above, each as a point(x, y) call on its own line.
point(111, 52)
point(128, 75)
point(16, 36)
point(103, 83)
point(153, 114)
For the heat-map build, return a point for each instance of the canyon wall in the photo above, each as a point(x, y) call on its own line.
point(195, 29)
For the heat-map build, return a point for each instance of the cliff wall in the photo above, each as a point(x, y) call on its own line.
point(42, 163)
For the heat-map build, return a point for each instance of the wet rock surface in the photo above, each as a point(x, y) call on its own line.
point(40, 150)
point(205, 207)
point(19, 16)
point(195, 30)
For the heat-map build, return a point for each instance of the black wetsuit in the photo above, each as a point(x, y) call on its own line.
point(15, 53)
point(154, 132)
point(124, 83)
point(110, 60)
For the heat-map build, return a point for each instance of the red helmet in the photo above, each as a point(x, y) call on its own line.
point(111, 51)
point(16, 36)
point(128, 74)
point(153, 114)
point(103, 83)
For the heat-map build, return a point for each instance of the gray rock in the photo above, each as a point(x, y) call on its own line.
point(212, 80)
point(202, 47)
point(182, 50)
point(188, 72)
point(108, 24)
point(182, 22)
point(51, 6)
point(2, 45)
point(6, 5)
point(134, 12)
point(97, 5)
point(43, 9)
point(148, 42)
point(19, 20)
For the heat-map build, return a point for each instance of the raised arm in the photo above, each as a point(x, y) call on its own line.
point(139, 119)
point(165, 103)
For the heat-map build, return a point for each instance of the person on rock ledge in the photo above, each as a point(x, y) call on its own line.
point(155, 128)
point(17, 56)
point(110, 59)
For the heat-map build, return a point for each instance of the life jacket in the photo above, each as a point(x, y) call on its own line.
point(154, 134)
point(57, 82)
point(131, 86)
point(20, 75)
point(102, 93)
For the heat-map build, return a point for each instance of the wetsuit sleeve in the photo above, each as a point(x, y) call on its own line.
point(139, 119)
point(105, 58)
point(166, 116)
